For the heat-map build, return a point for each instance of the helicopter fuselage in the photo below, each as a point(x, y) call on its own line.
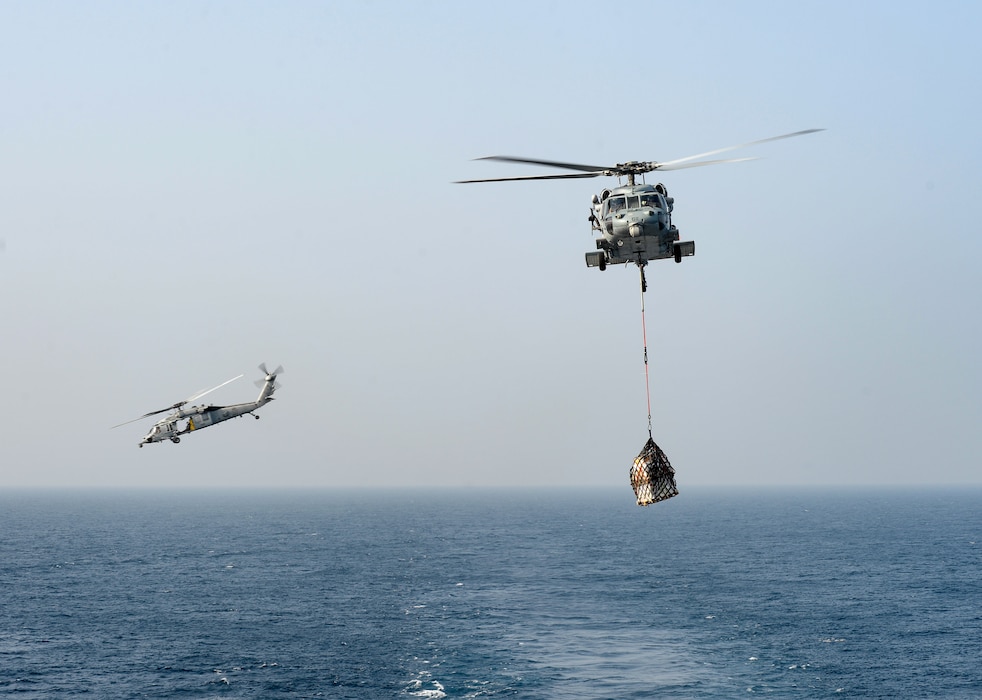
point(635, 226)
point(198, 417)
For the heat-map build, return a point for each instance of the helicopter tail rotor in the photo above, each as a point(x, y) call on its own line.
point(278, 370)
point(269, 376)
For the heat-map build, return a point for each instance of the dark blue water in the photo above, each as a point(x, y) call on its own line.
point(457, 594)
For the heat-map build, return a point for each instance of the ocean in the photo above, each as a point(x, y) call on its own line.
point(480, 593)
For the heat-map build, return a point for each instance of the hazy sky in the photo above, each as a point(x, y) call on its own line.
point(190, 189)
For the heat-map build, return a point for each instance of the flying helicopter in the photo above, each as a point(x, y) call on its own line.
point(173, 426)
point(634, 221)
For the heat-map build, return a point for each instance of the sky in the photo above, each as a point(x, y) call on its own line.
point(189, 189)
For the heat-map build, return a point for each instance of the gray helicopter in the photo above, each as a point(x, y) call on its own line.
point(173, 425)
point(634, 221)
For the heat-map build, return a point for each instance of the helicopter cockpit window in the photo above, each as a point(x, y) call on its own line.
point(633, 202)
point(650, 200)
point(615, 204)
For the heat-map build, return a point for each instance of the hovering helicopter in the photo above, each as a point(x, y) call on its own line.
point(634, 221)
point(205, 416)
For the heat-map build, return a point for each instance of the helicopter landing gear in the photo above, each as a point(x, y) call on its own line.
point(175, 440)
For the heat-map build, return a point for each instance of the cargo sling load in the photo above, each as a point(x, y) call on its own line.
point(652, 476)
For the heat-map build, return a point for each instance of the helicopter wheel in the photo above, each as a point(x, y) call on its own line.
point(175, 440)
point(603, 262)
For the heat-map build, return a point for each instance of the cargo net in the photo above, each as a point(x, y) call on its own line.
point(652, 477)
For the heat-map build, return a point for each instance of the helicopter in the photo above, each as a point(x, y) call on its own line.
point(634, 221)
point(205, 416)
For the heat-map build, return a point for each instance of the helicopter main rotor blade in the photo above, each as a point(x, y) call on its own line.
point(152, 413)
point(202, 393)
point(630, 169)
point(549, 163)
point(682, 166)
point(134, 420)
point(663, 166)
point(178, 404)
point(568, 176)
